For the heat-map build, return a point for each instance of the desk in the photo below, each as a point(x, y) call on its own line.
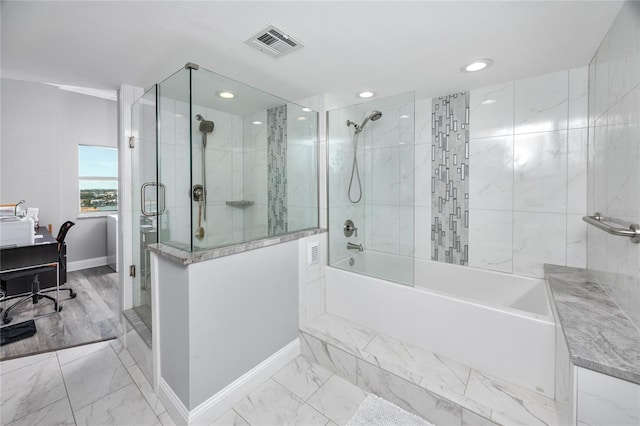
point(45, 250)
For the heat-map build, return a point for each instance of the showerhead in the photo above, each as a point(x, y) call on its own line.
point(206, 126)
point(375, 115)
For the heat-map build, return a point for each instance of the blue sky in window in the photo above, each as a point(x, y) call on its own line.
point(97, 161)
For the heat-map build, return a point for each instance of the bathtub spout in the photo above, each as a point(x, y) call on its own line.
point(353, 246)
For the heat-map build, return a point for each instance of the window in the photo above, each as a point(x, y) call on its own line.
point(98, 178)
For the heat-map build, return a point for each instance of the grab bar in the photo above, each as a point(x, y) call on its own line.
point(607, 224)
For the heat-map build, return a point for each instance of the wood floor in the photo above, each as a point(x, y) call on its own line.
point(91, 317)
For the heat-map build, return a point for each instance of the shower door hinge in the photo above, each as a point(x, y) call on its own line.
point(132, 271)
point(132, 142)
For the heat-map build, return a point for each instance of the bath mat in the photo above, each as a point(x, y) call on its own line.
point(375, 411)
point(13, 333)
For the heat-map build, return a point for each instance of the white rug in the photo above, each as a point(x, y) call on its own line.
point(374, 411)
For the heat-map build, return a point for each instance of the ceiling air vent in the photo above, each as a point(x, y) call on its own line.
point(274, 41)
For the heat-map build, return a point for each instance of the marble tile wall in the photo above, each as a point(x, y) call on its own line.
point(614, 153)
point(224, 175)
point(528, 143)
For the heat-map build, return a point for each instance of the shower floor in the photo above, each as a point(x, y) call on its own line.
point(140, 319)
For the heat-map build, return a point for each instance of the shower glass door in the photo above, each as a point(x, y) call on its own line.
point(145, 209)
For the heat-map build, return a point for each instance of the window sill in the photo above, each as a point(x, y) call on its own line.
point(93, 215)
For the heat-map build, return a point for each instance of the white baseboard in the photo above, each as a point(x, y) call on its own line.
point(224, 400)
point(86, 263)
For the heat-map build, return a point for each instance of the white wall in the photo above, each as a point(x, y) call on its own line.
point(42, 127)
point(614, 153)
point(223, 317)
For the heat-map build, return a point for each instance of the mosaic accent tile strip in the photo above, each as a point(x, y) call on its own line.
point(277, 170)
point(450, 179)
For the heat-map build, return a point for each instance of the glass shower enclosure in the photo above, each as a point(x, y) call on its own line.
point(215, 163)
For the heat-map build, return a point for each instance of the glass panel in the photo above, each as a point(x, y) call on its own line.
point(174, 160)
point(144, 228)
point(255, 157)
point(375, 192)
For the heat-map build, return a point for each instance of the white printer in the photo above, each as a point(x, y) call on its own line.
point(16, 231)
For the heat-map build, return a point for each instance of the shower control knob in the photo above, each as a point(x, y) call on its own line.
point(350, 228)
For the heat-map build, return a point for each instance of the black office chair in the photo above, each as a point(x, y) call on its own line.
point(36, 293)
point(62, 234)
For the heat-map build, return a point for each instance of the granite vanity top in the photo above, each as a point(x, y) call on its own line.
point(597, 323)
point(185, 257)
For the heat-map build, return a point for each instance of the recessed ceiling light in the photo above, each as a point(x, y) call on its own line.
point(366, 94)
point(488, 101)
point(226, 95)
point(404, 116)
point(477, 65)
point(302, 118)
point(179, 116)
point(306, 109)
point(256, 122)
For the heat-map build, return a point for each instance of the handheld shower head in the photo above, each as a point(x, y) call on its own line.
point(206, 126)
point(374, 116)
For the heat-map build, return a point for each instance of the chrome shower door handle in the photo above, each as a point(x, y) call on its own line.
point(143, 203)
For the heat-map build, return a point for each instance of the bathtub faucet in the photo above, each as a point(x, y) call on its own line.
point(353, 246)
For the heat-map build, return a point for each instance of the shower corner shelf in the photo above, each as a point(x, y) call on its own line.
point(240, 203)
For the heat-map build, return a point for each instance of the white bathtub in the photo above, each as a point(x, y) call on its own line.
point(497, 323)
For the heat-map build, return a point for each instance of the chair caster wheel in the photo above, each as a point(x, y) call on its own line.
point(73, 295)
point(7, 320)
point(59, 309)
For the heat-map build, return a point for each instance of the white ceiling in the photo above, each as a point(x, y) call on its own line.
point(388, 47)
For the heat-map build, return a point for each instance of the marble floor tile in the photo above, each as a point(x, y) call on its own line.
point(337, 399)
point(166, 419)
point(66, 356)
point(59, 414)
point(16, 363)
point(342, 334)
point(302, 377)
point(126, 406)
point(147, 391)
point(230, 418)
point(511, 404)
point(123, 353)
point(272, 404)
point(94, 376)
point(30, 388)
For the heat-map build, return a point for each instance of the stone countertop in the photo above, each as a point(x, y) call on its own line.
point(184, 257)
point(599, 333)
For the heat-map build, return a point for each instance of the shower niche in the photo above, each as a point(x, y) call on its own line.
point(233, 163)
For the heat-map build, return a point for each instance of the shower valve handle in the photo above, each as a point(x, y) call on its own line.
point(350, 228)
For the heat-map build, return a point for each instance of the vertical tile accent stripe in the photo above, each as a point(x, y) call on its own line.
point(450, 179)
point(277, 170)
